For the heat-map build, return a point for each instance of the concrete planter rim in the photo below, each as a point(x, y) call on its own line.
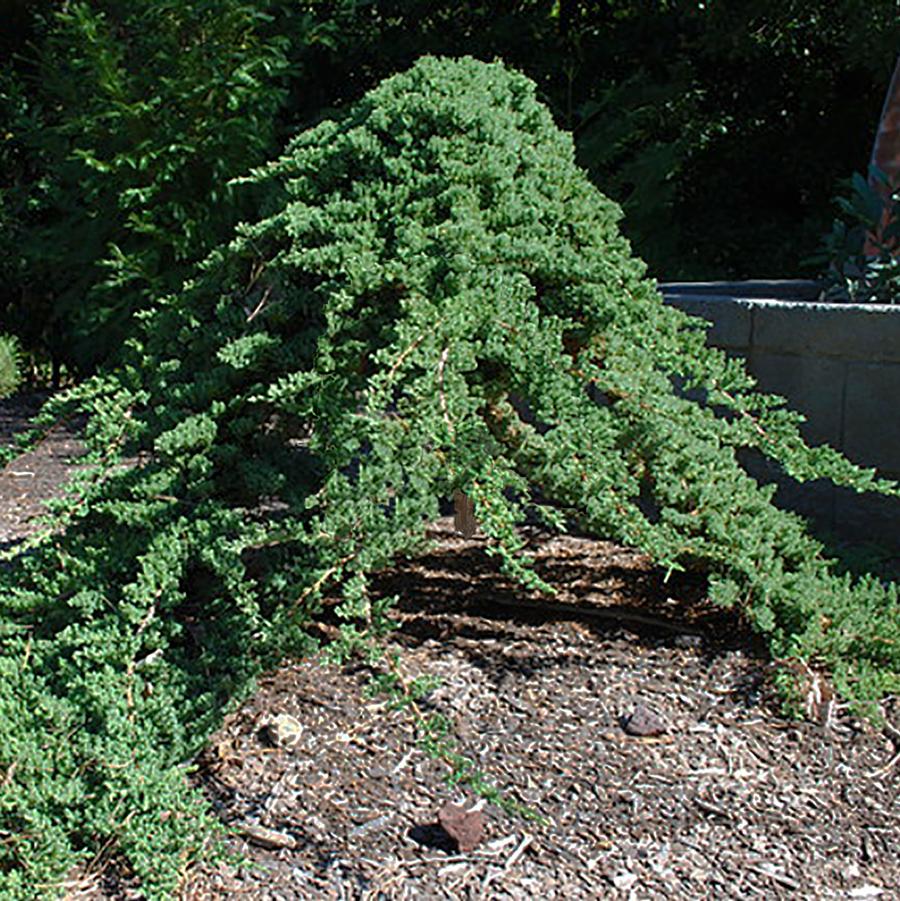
point(804, 293)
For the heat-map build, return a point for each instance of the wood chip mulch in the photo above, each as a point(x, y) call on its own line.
point(640, 722)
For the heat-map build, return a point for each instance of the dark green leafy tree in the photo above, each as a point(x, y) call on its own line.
point(123, 124)
point(299, 408)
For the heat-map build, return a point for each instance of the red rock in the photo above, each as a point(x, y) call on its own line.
point(465, 827)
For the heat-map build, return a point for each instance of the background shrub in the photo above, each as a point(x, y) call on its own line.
point(861, 254)
point(123, 126)
point(10, 365)
point(721, 128)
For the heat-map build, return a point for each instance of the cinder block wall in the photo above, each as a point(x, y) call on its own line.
point(838, 364)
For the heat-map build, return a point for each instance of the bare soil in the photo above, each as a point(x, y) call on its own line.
point(721, 797)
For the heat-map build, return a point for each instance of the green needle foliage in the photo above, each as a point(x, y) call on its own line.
point(426, 261)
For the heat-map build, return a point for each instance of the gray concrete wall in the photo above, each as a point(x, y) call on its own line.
point(838, 364)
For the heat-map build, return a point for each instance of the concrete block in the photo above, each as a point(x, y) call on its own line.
point(869, 332)
point(731, 320)
point(872, 416)
point(812, 386)
point(838, 365)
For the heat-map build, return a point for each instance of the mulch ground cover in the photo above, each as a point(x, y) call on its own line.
point(639, 721)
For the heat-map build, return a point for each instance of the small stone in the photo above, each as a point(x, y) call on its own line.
point(266, 838)
point(866, 891)
point(624, 881)
point(465, 827)
point(643, 723)
point(284, 731)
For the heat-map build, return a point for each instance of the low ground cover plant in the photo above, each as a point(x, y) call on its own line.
point(299, 409)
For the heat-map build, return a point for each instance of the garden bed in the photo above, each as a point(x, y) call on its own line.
point(730, 800)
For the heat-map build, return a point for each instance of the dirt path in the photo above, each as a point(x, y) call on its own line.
point(725, 799)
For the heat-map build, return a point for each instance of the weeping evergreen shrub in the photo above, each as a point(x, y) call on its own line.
point(298, 410)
